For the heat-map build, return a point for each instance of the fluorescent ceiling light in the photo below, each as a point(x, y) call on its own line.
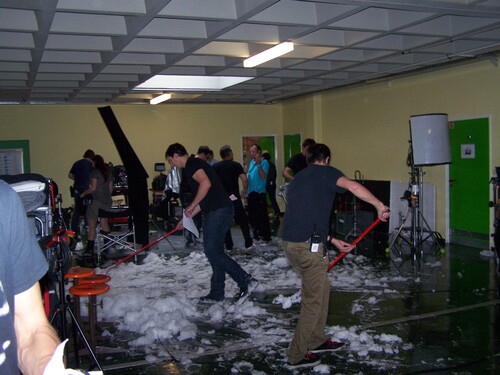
point(160, 99)
point(268, 54)
point(189, 83)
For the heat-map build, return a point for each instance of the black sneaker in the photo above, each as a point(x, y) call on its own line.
point(328, 346)
point(246, 291)
point(209, 299)
point(309, 360)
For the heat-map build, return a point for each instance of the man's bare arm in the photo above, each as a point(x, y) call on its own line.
point(36, 338)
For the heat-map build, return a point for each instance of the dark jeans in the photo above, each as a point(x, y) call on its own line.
point(257, 215)
point(215, 226)
point(241, 218)
point(78, 212)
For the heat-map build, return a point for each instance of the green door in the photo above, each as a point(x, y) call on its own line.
point(291, 145)
point(266, 143)
point(469, 183)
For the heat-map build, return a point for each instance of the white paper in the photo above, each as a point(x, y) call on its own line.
point(188, 223)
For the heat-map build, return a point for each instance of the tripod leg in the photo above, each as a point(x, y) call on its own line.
point(75, 345)
point(397, 239)
point(432, 234)
point(75, 323)
point(399, 230)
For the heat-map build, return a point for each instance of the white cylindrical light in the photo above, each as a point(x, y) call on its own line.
point(430, 139)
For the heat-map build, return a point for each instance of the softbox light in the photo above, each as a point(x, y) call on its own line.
point(430, 139)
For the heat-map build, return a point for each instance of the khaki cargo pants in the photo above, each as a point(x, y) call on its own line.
point(315, 293)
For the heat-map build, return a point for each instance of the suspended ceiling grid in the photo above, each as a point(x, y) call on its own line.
point(97, 51)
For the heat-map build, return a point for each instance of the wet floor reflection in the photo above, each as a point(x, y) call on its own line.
point(443, 305)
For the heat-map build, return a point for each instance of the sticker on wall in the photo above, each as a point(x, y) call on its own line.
point(468, 151)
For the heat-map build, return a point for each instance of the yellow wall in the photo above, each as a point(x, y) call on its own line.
point(299, 117)
point(59, 134)
point(366, 126)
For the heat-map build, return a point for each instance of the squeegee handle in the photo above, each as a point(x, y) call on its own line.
point(353, 243)
point(142, 249)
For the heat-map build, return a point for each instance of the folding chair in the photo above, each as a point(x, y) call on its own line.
point(122, 235)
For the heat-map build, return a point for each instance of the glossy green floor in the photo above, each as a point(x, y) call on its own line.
point(446, 309)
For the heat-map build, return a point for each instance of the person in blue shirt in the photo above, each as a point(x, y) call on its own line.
point(27, 339)
point(256, 196)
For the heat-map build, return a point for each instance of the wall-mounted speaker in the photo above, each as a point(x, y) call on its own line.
point(430, 139)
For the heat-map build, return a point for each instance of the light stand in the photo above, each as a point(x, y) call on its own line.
point(63, 305)
point(419, 231)
point(354, 232)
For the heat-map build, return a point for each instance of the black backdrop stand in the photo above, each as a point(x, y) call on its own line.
point(137, 176)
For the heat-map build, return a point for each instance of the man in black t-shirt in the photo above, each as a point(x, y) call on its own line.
point(230, 173)
point(211, 199)
point(297, 162)
point(305, 230)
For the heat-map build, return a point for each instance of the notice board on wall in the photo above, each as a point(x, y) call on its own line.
point(14, 157)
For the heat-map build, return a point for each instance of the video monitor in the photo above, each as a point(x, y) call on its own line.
point(159, 167)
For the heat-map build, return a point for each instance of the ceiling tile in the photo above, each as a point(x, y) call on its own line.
point(107, 6)
point(175, 28)
point(79, 42)
point(7, 54)
point(16, 40)
point(212, 9)
point(18, 20)
point(92, 24)
point(71, 57)
point(155, 45)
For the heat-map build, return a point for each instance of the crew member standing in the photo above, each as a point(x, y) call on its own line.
point(256, 196)
point(310, 199)
point(80, 174)
point(211, 199)
point(298, 161)
point(271, 186)
point(230, 173)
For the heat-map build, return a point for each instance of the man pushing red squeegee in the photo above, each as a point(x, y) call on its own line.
point(310, 197)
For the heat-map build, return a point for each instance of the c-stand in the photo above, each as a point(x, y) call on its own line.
point(419, 231)
point(354, 232)
point(63, 306)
